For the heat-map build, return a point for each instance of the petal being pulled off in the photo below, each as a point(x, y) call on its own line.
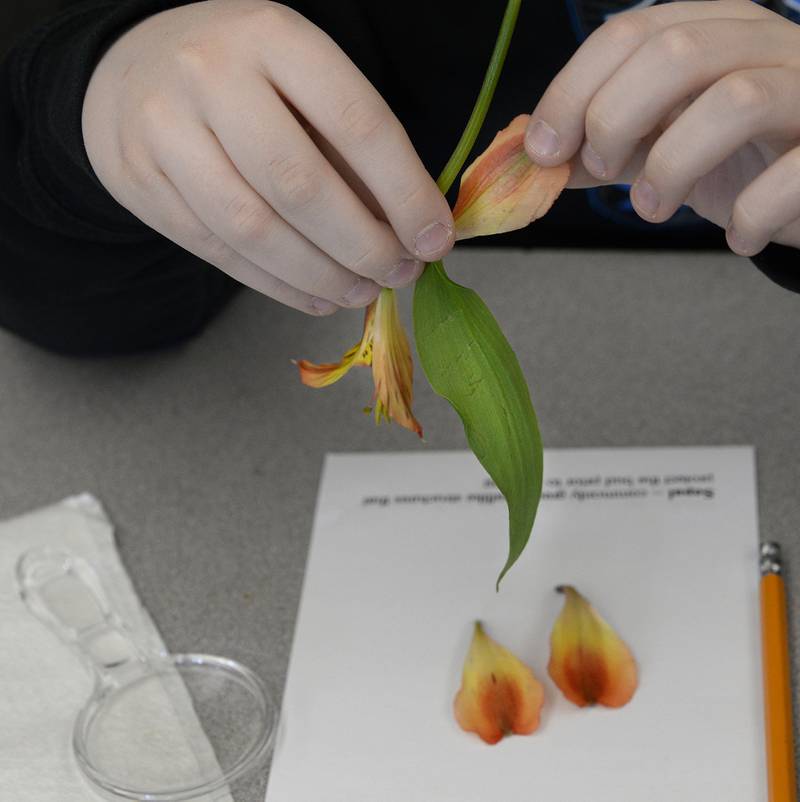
point(499, 694)
point(589, 662)
point(503, 190)
point(392, 366)
point(321, 375)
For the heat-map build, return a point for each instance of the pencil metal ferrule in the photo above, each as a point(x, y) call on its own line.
point(771, 560)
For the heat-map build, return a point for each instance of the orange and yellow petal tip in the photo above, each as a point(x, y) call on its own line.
point(405, 418)
point(326, 373)
point(503, 189)
point(589, 662)
point(314, 375)
point(499, 694)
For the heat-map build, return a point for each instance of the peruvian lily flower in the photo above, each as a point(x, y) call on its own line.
point(503, 190)
point(589, 662)
point(500, 191)
point(499, 694)
point(385, 347)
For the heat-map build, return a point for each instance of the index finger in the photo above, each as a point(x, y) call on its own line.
point(350, 113)
point(557, 125)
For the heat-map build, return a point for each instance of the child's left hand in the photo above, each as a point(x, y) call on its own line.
point(692, 102)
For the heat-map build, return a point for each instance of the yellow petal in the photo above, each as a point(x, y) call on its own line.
point(588, 660)
point(321, 375)
point(499, 694)
point(392, 366)
point(503, 190)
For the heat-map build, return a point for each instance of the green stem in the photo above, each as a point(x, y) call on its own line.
point(467, 141)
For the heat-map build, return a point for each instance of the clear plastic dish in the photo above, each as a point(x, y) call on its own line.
point(157, 727)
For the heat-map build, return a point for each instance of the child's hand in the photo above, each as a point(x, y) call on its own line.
point(694, 102)
point(242, 132)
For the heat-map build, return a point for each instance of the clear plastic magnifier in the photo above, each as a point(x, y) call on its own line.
point(157, 727)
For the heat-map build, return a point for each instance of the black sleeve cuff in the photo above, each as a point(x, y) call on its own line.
point(79, 274)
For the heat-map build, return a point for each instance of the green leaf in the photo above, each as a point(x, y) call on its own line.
point(468, 361)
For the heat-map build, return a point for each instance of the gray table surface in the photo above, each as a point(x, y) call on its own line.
point(207, 456)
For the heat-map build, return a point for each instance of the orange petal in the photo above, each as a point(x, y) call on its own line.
point(503, 190)
point(392, 366)
point(499, 694)
point(314, 375)
point(588, 660)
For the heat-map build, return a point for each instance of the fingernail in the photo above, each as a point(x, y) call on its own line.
point(433, 239)
point(404, 272)
point(319, 306)
point(360, 294)
point(593, 163)
point(739, 243)
point(543, 140)
point(645, 198)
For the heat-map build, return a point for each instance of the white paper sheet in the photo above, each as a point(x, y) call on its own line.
point(404, 555)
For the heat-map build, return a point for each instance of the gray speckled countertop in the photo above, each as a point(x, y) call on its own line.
point(207, 456)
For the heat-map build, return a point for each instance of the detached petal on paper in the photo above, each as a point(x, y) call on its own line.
point(499, 694)
point(503, 190)
point(588, 661)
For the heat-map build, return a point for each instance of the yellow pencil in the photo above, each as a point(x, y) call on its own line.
point(777, 678)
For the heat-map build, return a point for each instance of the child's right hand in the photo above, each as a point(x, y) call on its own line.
point(243, 133)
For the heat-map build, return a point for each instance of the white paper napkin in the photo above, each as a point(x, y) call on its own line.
point(43, 684)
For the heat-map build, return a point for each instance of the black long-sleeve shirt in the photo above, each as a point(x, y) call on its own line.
point(80, 274)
